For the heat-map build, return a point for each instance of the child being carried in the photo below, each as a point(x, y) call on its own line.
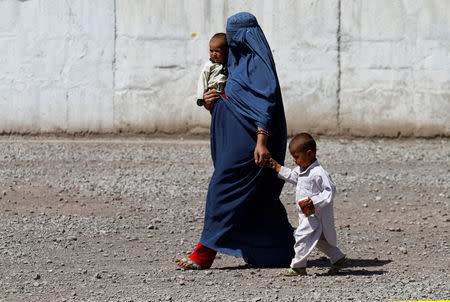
point(214, 73)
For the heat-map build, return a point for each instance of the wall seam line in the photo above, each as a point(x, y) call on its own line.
point(338, 89)
point(114, 69)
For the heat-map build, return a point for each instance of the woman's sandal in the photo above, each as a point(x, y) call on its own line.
point(188, 264)
point(291, 272)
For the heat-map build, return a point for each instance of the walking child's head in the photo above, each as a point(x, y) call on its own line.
point(303, 149)
point(218, 48)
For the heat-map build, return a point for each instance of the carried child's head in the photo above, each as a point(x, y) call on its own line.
point(218, 48)
point(303, 150)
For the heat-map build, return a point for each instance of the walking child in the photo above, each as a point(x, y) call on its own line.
point(314, 194)
point(214, 73)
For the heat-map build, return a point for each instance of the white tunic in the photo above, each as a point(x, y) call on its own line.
point(315, 183)
point(211, 77)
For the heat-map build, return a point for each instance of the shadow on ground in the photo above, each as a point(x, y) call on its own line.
point(375, 262)
point(355, 267)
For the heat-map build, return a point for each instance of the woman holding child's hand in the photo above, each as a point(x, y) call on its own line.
point(261, 153)
point(244, 216)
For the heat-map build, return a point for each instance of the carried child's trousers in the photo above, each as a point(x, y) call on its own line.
point(304, 244)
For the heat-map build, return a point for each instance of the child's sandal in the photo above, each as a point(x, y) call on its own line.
point(291, 272)
point(338, 265)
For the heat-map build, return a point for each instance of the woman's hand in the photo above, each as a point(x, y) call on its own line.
point(210, 97)
point(262, 154)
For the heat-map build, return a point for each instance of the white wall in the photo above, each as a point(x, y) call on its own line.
point(132, 65)
point(395, 67)
point(56, 66)
point(161, 46)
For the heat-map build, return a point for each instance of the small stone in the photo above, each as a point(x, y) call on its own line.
point(72, 238)
point(378, 198)
point(403, 250)
point(37, 277)
point(156, 220)
point(365, 205)
point(4, 193)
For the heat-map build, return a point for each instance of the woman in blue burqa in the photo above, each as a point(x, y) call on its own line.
point(244, 216)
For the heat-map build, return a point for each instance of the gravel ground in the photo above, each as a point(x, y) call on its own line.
point(102, 219)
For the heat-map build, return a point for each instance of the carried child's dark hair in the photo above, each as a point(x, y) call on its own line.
point(303, 142)
point(221, 36)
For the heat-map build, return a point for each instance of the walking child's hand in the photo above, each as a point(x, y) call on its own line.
point(273, 164)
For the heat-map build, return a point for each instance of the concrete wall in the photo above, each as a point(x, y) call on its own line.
point(395, 67)
point(357, 67)
point(55, 66)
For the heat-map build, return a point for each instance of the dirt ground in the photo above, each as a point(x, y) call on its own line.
point(102, 219)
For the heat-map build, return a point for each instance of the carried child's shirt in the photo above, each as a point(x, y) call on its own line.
point(314, 183)
point(213, 76)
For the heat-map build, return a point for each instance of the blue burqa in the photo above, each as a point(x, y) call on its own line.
point(244, 216)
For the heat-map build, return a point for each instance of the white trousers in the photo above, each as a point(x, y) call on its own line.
point(305, 243)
